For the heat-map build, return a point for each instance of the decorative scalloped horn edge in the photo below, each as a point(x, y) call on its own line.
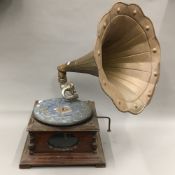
point(135, 12)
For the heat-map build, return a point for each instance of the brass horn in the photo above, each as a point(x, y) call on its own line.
point(126, 58)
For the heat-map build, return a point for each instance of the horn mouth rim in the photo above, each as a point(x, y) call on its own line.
point(135, 12)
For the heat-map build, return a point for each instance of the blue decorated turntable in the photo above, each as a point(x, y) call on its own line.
point(62, 112)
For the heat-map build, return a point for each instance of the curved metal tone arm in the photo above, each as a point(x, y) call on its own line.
point(67, 88)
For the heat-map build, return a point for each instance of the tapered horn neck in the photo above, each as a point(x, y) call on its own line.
point(85, 64)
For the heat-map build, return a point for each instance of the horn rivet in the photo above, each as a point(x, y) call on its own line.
point(147, 27)
point(118, 9)
point(149, 95)
point(135, 106)
point(134, 12)
point(98, 52)
point(155, 74)
point(104, 24)
point(154, 50)
point(104, 82)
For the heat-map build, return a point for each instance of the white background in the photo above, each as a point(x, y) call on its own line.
point(38, 35)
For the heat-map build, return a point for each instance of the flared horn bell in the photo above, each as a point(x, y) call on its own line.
point(126, 58)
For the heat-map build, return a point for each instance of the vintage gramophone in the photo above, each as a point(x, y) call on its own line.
point(126, 58)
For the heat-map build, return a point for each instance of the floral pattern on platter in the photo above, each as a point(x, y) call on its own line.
point(62, 112)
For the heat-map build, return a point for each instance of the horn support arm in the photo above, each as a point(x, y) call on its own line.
point(85, 64)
